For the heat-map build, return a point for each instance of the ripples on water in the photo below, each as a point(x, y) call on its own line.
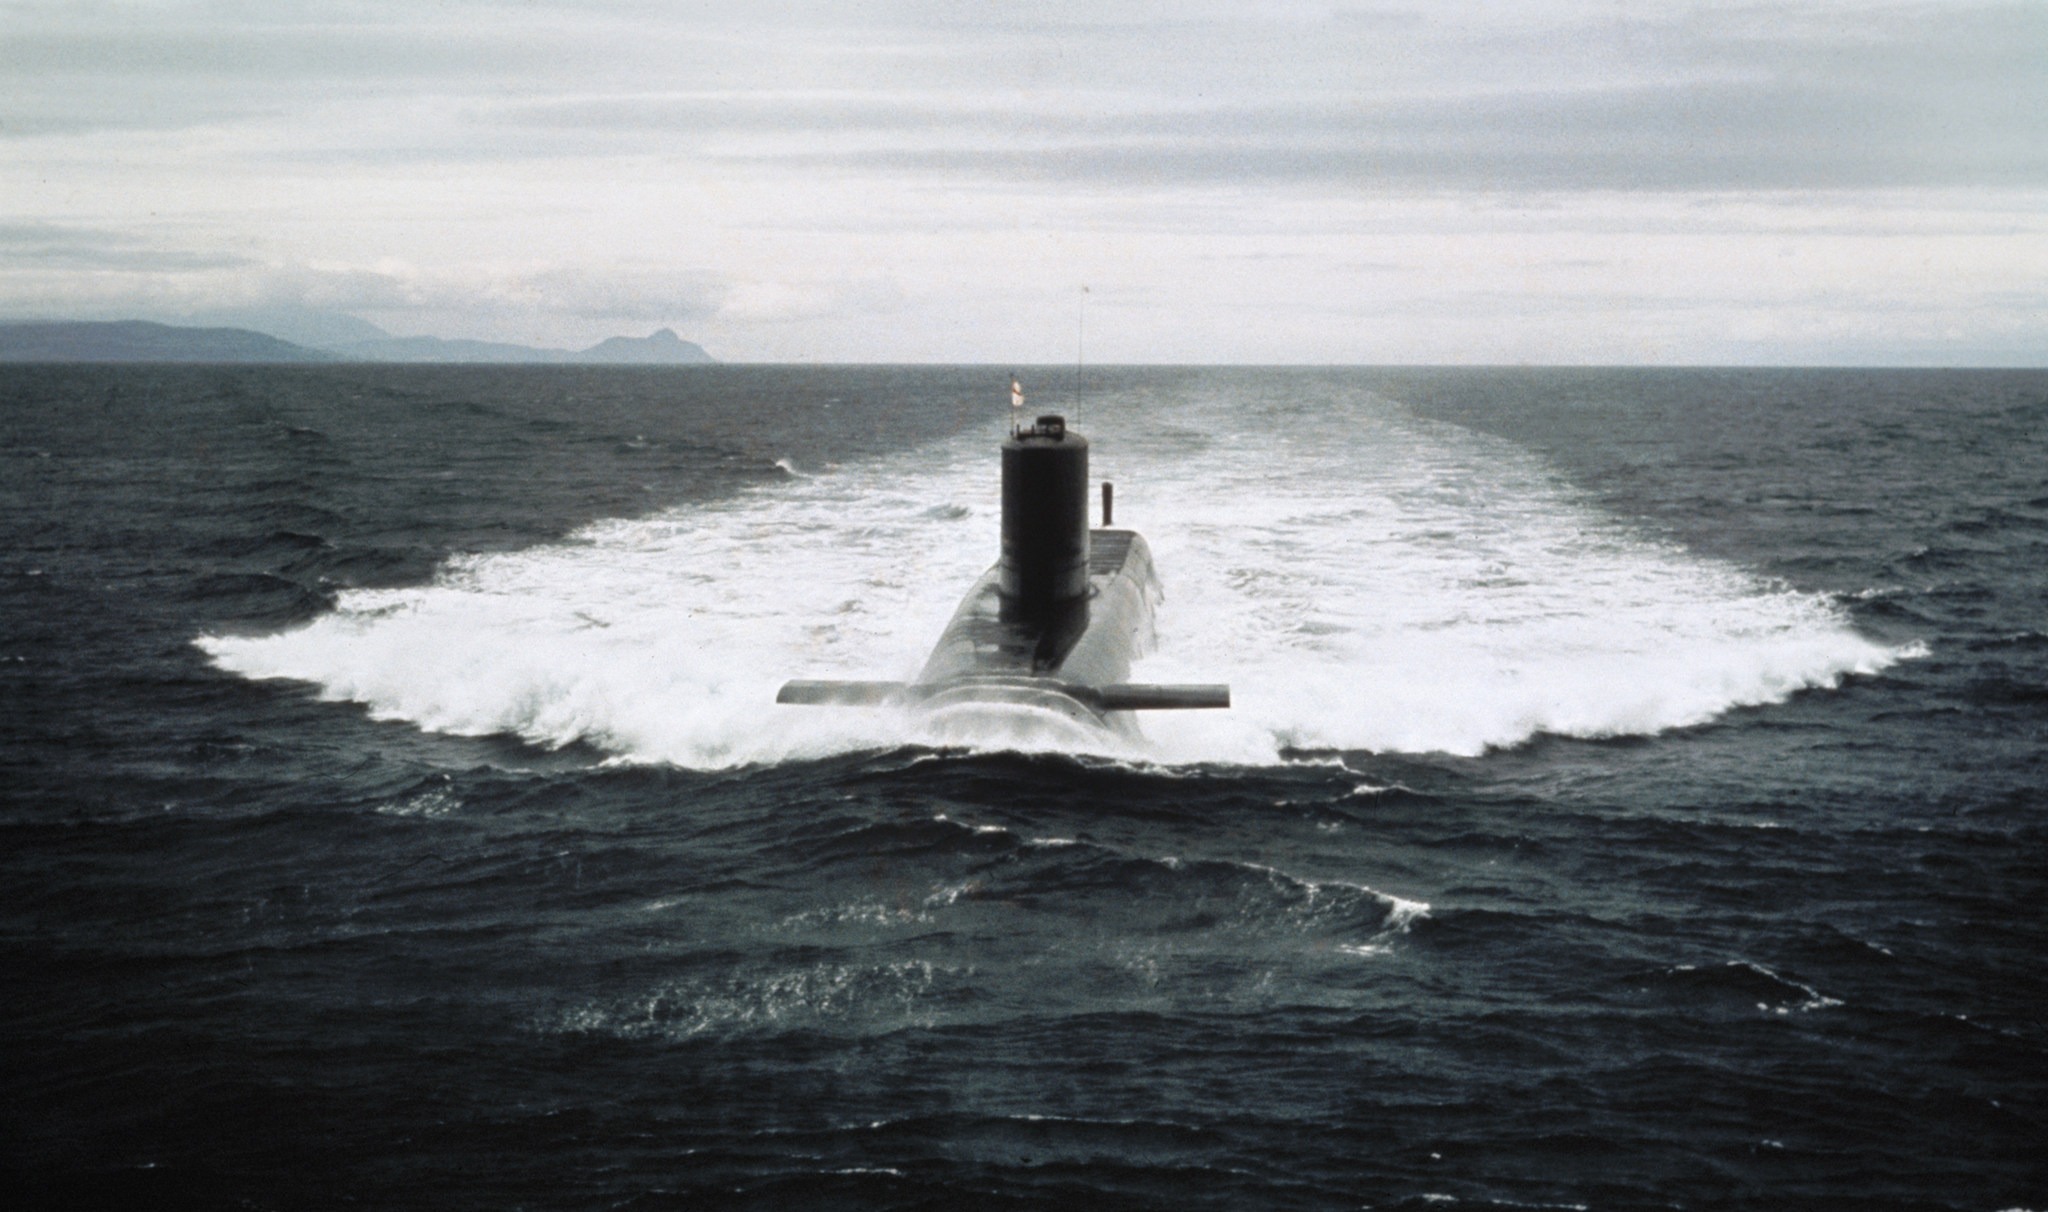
point(1632, 797)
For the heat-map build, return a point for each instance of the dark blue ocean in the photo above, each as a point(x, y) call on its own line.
point(1636, 795)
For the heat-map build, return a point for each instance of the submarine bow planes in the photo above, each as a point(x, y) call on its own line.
point(1055, 624)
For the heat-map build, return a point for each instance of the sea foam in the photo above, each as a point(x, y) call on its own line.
point(1364, 579)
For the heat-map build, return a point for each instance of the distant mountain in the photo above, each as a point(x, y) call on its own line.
point(663, 348)
point(149, 341)
point(144, 341)
point(312, 327)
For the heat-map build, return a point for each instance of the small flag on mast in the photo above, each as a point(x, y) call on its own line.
point(1016, 394)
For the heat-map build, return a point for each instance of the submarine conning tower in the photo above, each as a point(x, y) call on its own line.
point(1045, 517)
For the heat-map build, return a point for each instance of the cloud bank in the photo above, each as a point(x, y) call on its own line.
point(1291, 182)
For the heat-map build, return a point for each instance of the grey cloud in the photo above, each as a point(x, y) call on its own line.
point(166, 69)
point(1685, 138)
point(640, 296)
point(658, 297)
point(1896, 98)
point(1561, 96)
point(342, 290)
point(54, 246)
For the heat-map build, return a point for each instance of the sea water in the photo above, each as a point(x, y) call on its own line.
point(1632, 793)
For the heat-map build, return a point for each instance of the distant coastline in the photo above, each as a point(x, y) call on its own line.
point(149, 341)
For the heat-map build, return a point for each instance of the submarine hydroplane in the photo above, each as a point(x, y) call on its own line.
point(1055, 624)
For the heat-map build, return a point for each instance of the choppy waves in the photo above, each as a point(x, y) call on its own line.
point(1115, 929)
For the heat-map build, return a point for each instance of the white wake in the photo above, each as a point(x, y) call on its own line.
point(1362, 578)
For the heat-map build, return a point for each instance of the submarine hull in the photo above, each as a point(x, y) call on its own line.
point(993, 662)
point(1053, 656)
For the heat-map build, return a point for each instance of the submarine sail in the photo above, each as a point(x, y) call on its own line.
point(1055, 624)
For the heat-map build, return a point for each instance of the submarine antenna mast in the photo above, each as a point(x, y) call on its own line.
point(1080, 349)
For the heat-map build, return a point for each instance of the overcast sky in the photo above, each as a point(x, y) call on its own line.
point(889, 180)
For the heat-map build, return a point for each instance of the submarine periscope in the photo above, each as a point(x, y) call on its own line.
point(1055, 624)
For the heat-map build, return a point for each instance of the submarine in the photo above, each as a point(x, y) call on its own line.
point(1054, 625)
